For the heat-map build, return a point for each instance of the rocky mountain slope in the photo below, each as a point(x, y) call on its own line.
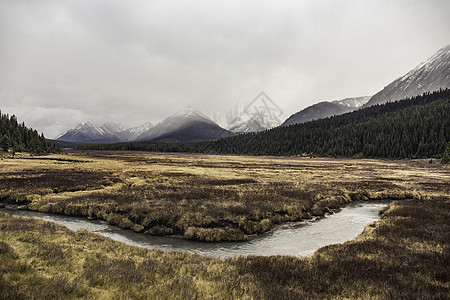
point(326, 109)
point(430, 75)
point(87, 132)
point(186, 126)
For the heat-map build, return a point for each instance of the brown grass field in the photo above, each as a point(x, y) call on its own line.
point(405, 255)
point(208, 197)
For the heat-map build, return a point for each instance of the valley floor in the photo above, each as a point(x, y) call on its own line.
point(403, 256)
point(208, 197)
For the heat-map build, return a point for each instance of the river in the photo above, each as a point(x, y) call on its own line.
point(298, 239)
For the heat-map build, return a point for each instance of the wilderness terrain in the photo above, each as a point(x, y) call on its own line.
point(208, 197)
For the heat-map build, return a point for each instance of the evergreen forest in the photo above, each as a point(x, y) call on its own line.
point(416, 127)
point(17, 137)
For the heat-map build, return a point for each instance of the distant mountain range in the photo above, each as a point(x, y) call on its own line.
point(411, 128)
point(430, 75)
point(191, 126)
point(87, 132)
point(132, 133)
point(187, 126)
point(259, 115)
point(326, 109)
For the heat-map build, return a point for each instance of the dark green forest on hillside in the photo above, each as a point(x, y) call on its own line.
point(19, 138)
point(417, 127)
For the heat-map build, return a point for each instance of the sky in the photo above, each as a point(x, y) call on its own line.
point(63, 62)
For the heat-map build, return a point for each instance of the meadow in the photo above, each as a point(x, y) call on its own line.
point(208, 197)
point(403, 256)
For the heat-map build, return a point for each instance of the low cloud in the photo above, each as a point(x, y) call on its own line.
point(63, 62)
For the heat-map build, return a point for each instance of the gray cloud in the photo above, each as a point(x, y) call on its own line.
point(63, 62)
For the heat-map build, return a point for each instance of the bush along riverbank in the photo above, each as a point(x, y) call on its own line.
point(405, 255)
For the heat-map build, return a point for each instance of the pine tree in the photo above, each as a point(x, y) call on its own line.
point(446, 155)
point(20, 138)
point(4, 143)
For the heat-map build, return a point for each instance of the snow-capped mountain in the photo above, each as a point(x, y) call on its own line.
point(260, 114)
point(355, 102)
point(253, 123)
point(186, 126)
point(326, 109)
point(132, 133)
point(87, 132)
point(110, 128)
point(430, 75)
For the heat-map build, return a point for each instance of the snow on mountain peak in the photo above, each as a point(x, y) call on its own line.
point(186, 115)
point(85, 124)
point(355, 102)
point(428, 76)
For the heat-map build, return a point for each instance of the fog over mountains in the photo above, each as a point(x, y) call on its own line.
point(430, 75)
point(186, 126)
point(132, 133)
point(190, 125)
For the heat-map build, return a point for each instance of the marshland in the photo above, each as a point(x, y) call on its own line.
point(208, 197)
point(220, 198)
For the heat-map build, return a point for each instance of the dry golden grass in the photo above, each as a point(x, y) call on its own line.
point(403, 256)
point(41, 260)
point(208, 197)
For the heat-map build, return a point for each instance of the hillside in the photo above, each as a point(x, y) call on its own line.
point(87, 132)
point(412, 128)
point(326, 109)
point(431, 75)
point(19, 138)
point(187, 126)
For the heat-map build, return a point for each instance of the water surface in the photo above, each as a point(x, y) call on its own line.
point(299, 239)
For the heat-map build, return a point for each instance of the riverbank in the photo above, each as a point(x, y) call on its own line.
point(297, 238)
point(208, 197)
point(403, 256)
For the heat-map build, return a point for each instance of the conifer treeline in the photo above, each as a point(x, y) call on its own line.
point(19, 138)
point(412, 128)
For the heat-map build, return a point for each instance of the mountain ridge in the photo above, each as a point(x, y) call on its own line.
point(90, 133)
point(186, 126)
point(326, 109)
point(430, 75)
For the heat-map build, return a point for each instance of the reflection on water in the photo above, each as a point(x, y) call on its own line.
point(290, 239)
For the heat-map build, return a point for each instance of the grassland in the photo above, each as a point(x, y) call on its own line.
point(207, 197)
point(405, 255)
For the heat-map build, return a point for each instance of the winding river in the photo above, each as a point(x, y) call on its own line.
point(298, 239)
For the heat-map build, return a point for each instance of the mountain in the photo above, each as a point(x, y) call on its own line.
point(430, 75)
point(415, 127)
point(254, 123)
point(326, 109)
point(132, 133)
point(260, 114)
point(186, 126)
point(87, 132)
point(412, 128)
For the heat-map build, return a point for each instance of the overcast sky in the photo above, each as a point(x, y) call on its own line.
point(67, 61)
